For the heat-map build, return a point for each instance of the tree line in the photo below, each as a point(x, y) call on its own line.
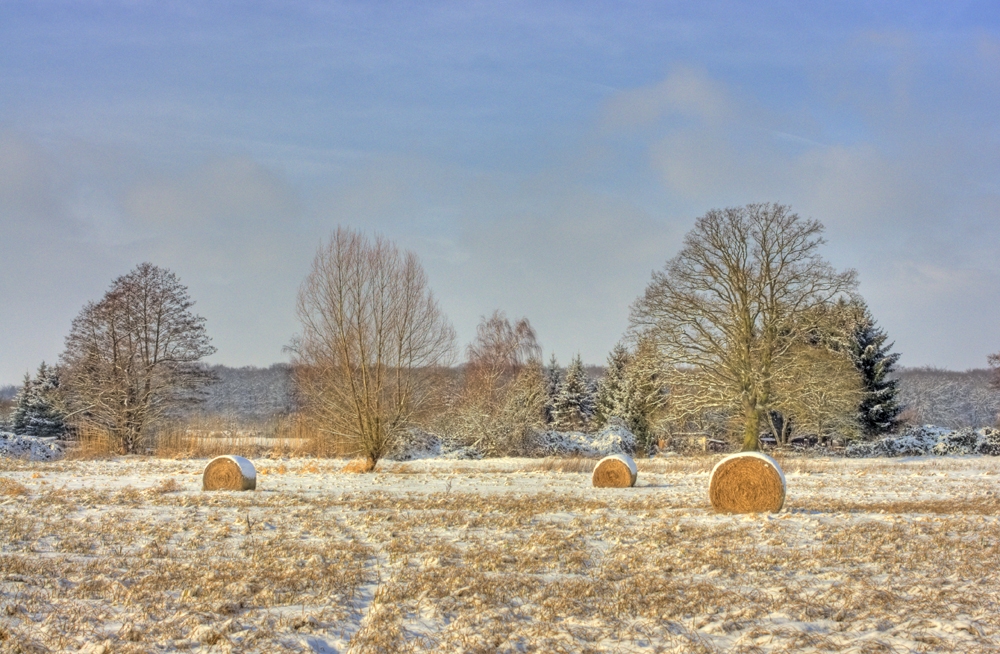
point(747, 333)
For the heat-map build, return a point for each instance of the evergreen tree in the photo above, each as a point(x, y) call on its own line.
point(631, 391)
point(37, 411)
point(879, 410)
point(612, 398)
point(553, 382)
point(574, 403)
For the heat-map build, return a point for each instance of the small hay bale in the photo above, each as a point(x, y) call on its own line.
point(229, 473)
point(359, 466)
point(747, 482)
point(615, 471)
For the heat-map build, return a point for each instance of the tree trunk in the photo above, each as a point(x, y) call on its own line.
point(751, 430)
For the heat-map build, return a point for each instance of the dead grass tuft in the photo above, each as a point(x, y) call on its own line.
point(359, 466)
point(91, 443)
point(562, 464)
point(11, 488)
point(168, 485)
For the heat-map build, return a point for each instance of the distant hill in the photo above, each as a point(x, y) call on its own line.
point(947, 398)
point(930, 396)
point(249, 393)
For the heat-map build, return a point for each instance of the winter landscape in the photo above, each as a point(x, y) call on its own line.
point(354, 327)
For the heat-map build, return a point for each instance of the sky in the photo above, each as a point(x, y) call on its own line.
point(541, 158)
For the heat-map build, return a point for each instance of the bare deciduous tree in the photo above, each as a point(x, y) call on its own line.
point(373, 339)
point(818, 390)
point(132, 358)
point(949, 399)
point(994, 362)
point(502, 399)
point(729, 306)
point(501, 348)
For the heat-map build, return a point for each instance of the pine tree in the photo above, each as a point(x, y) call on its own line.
point(37, 412)
point(553, 382)
point(879, 410)
point(632, 391)
point(612, 399)
point(574, 403)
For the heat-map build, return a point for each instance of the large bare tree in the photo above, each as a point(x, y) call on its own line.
point(733, 302)
point(373, 339)
point(132, 358)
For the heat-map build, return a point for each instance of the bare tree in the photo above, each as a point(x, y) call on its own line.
point(501, 348)
point(132, 358)
point(373, 339)
point(949, 398)
point(817, 390)
point(733, 302)
point(502, 399)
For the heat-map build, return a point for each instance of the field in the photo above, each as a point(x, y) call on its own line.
point(518, 555)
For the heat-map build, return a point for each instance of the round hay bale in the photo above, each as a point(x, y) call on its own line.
point(747, 482)
point(229, 473)
point(615, 471)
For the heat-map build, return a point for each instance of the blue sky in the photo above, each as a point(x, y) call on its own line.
point(540, 158)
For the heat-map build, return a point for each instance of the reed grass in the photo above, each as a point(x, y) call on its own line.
point(206, 437)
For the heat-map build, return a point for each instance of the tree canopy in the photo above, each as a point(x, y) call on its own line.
point(733, 303)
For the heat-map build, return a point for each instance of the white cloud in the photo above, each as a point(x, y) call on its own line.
point(686, 92)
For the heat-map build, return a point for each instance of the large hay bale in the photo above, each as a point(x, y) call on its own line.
point(747, 482)
point(615, 471)
point(229, 473)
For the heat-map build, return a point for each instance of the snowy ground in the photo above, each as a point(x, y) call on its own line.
point(130, 555)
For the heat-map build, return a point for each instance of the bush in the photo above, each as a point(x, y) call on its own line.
point(927, 440)
point(613, 439)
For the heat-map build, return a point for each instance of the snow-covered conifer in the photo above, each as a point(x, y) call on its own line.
point(574, 403)
point(612, 398)
point(553, 382)
point(632, 391)
point(36, 411)
point(879, 410)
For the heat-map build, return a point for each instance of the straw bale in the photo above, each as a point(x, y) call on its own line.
point(615, 471)
point(747, 482)
point(229, 473)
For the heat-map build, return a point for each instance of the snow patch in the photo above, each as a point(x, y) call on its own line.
point(927, 440)
point(613, 439)
point(246, 467)
point(32, 448)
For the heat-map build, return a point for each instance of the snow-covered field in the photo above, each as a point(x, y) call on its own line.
point(129, 555)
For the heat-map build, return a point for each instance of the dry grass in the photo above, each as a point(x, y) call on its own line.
point(281, 437)
point(402, 561)
point(11, 488)
point(359, 466)
point(91, 443)
point(290, 436)
point(562, 464)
